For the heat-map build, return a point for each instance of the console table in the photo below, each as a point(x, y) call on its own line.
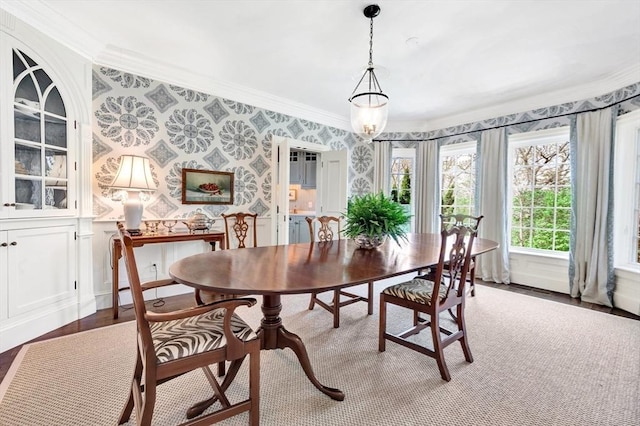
point(140, 240)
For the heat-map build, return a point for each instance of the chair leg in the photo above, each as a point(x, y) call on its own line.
point(463, 340)
point(382, 344)
point(137, 377)
point(312, 301)
point(370, 298)
point(437, 347)
point(336, 309)
point(254, 387)
point(145, 412)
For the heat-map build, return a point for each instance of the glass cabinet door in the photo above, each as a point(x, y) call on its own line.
point(40, 138)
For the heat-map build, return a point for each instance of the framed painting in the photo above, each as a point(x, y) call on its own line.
point(206, 187)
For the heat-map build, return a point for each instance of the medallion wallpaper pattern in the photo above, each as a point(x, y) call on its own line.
point(180, 128)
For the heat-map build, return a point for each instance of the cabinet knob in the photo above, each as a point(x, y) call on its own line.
point(13, 243)
point(4, 245)
point(9, 204)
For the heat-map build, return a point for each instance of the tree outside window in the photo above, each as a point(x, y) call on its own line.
point(541, 190)
point(458, 179)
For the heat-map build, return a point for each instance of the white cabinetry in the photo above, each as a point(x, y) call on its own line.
point(45, 92)
point(37, 279)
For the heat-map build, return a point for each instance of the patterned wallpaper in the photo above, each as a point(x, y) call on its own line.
point(180, 128)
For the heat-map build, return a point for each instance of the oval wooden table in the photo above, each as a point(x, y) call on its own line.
point(305, 268)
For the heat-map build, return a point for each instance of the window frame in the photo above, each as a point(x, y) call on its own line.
point(626, 169)
point(405, 153)
point(536, 137)
point(458, 149)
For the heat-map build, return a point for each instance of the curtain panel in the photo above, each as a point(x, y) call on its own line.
point(492, 202)
point(382, 167)
point(591, 273)
point(427, 196)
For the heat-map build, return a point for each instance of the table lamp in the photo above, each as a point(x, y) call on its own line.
point(134, 176)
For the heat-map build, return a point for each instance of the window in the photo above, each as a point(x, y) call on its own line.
point(541, 190)
point(626, 217)
point(402, 174)
point(458, 178)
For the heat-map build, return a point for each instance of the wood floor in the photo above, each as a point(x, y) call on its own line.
point(104, 317)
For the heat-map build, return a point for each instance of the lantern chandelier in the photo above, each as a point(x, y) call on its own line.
point(369, 106)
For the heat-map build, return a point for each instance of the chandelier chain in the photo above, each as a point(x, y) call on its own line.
point(371, 43)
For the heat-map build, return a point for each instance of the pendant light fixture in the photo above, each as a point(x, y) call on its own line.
point(369, 106)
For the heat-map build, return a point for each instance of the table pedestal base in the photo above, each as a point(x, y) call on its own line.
point(273, 335)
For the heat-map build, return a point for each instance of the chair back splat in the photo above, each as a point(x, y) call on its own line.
point(241, 225)
point(171, 344)
point(325, 234)
point(433, 294)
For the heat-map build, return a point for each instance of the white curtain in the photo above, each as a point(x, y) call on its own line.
point(427, 198)
point(492, 201)
point(591, 275)
point(382, 167)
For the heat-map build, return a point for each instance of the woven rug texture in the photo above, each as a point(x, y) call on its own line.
point(536, 362)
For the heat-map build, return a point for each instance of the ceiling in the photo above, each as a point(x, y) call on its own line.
point(440, 62)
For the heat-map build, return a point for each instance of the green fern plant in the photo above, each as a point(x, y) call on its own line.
point(375, 215)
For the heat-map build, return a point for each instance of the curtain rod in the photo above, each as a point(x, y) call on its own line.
point(507, 125)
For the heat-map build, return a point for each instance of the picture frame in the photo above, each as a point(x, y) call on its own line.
point(293, 195)
point(201, 186)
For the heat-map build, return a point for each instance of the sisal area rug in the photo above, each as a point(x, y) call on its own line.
point(537, 362)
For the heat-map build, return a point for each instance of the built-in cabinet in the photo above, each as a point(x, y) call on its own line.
point(44, 104)
point(302, 168)
point(298, 229)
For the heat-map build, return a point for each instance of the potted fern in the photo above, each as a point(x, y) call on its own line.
point(371, 218)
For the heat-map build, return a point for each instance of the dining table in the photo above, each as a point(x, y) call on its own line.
point(274, 271)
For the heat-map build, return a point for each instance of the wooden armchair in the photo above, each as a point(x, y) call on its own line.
point(171, 344)
point(325, 233)
point(446, 291)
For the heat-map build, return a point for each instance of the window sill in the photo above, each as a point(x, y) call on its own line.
point(540, 253)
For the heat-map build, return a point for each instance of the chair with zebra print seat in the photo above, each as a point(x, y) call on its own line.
point(174, 343)
point(446, 291)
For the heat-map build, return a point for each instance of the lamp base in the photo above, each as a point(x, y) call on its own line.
point(134, 232)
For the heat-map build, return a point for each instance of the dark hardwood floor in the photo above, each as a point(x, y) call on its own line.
point(104, 317)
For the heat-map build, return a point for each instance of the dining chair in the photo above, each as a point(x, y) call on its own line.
point(327, 228)
point(239, 224)
point(472, 222)
point(171, 344)
point(446, 291)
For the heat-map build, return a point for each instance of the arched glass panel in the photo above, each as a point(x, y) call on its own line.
point(54, 103)
point(26, 91)
point(43, 80)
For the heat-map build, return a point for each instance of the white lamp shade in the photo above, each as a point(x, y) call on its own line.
point(369, 112)
point(134, 174)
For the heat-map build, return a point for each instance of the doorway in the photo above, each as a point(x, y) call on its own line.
point(328, 173)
